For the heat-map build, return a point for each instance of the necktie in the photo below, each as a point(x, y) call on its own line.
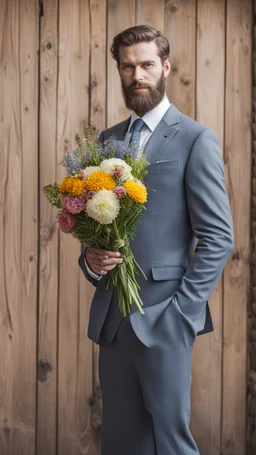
point(136, 133)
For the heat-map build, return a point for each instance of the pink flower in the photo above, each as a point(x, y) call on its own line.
point(75, 204)
point(88, 194)
point(63, 202)
point(119, 191)
point(66, 221)
point(118, 171)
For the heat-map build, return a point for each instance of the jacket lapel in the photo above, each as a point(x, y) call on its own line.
point(163, 133)
point(121, 129)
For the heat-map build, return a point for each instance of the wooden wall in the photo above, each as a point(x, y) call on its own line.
point(56, 76)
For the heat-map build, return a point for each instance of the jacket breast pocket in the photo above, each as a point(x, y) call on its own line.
point(167, 273)
point(166, 165)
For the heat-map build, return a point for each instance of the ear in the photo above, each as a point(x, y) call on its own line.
point(167, 67)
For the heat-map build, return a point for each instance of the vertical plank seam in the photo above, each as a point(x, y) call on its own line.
point(250, 440)
point(106, 66)
point(223, 277)
point(196, 40)
point(90, 124)
point(90, 65)
point(58, 238)
point(38, 212)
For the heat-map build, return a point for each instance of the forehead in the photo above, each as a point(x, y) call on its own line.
point(139, 52)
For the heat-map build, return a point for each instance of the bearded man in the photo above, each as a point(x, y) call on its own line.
point(145, 360)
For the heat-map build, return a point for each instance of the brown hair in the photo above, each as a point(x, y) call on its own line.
point(138, 34)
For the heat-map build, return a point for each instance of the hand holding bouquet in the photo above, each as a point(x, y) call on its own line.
point(100, 203)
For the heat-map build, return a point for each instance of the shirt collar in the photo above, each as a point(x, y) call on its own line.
point(153, 117)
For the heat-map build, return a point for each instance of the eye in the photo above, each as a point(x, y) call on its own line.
point(148, 65)
point(127, 66)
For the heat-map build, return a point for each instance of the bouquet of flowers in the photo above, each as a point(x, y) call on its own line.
point(100, 202)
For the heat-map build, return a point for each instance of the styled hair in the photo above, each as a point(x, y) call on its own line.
point(138, 34)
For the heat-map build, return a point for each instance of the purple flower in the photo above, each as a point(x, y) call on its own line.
point(72, 162)
point(118, 149)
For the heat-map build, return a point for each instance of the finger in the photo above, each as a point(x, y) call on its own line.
point(111, 261)
point(102, 263)
point(107, 254)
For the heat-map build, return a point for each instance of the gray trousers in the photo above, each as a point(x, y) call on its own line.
point(146, 391)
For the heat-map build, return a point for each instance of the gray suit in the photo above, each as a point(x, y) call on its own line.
point(145, 361)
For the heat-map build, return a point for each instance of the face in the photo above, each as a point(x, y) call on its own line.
point(143, 76)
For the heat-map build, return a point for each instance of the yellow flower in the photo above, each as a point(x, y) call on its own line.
point(136, 191)
point(72, 186)
point(99, 180)
point(78, 187)
point(66, 185)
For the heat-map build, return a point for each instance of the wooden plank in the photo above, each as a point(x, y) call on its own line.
point(251, 327)
point(121, 15)
point(98, 14)
point(74, 349)
point(18, 207)
point(150, 13)
point(48, 278)
point(180, 29)
point(98, 88)
point(238, 172)
point(207, 359)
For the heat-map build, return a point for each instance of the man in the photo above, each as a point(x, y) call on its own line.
point(145, 360)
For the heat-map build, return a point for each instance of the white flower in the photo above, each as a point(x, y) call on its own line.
point(133, 179)
point(89, 170)
point(109, 166)
point(104, 206)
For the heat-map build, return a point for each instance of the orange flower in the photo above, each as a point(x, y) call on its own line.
point(136, 191)
point(99, 180)
point(72, 185)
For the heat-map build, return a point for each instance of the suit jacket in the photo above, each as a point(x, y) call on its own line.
point(187, 171)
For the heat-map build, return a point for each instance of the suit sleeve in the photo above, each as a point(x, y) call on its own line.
point(210, 218)
point(89, 274)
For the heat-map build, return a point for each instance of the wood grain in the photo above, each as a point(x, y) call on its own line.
point(150, 13)
point(98, 87)
point(78, 85)
point(74, 349)
point(238, 172)
point(207, 359)
point(98, 118)
point(121, 15)
point(19, 226)
point(49, 244)
point(180, 30)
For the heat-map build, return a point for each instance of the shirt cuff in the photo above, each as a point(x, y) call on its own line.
point(90, 272)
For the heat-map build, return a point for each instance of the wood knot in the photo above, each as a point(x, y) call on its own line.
point(91, 401)
point(235, 256)
point(48, 45)
point(46, 233)
point(185, 80)
point(43, 368)
point(93, 83)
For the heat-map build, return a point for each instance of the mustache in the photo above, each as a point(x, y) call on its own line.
point(138, 85)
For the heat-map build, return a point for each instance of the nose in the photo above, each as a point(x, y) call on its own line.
point(137, 76)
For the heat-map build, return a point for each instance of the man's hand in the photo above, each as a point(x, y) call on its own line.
point(101, 261)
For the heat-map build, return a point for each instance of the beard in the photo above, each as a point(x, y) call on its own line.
point(144, 102)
